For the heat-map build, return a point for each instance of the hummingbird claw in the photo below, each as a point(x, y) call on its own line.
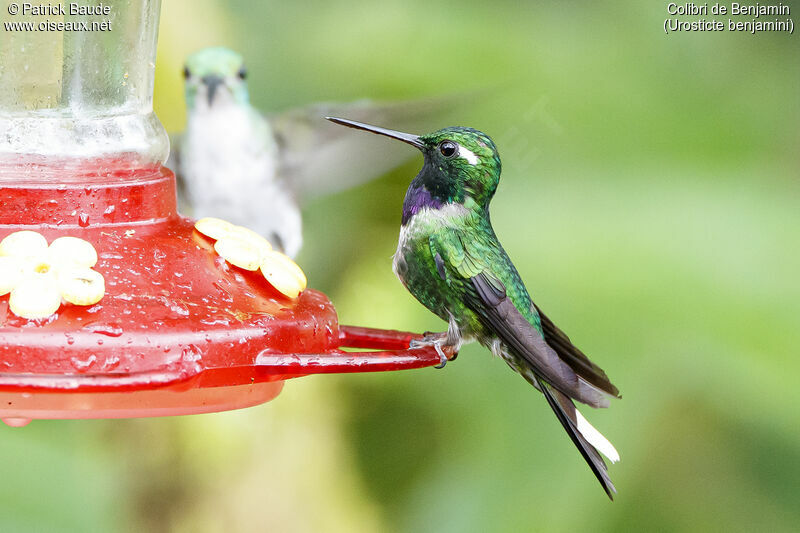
point(442, 357)
point(437, 340)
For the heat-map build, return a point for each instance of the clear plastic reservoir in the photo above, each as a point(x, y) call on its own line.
point(79, 86)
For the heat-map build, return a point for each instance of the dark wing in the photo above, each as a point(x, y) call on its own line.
point(520, 335)
point(470, 261)
point(575, 358)
point(319, 157)
point(565, 412)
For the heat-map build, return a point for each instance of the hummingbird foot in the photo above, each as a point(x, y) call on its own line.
point(438, 341)
point(442, 357)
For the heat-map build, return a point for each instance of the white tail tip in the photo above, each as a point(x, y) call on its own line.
point(596, 439)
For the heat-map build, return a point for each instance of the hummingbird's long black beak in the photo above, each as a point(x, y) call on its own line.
point(211, 82)
point(409, 138)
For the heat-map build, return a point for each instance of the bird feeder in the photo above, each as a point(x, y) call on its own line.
point(179, 330)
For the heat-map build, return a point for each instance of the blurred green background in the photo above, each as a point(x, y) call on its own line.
point(650, 201)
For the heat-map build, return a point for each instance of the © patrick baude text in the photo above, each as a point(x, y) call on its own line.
point(67, 16)
point(746, 18)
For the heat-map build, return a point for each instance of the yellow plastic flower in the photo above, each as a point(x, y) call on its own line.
point(247, 249)
point(283, 274)
point(38, 277)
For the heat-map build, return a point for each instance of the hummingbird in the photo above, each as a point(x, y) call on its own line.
point(451, 261)
point(256, 170)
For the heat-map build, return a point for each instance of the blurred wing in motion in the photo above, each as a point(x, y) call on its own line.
point(319, 158)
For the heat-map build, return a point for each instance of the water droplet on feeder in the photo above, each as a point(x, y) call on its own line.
point(83, 365)
point(108, 330)
point(83, 220)
point(16, 422)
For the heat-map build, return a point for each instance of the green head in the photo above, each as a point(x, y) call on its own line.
point(214, 75)
point(461, 165)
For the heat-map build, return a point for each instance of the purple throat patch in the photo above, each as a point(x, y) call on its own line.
point(417, 199)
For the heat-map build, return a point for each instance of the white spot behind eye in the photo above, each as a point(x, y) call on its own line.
point(470, 156)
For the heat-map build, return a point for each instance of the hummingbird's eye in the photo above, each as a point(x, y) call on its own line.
point(448, 148)
point(186, 73)
point(242, 74)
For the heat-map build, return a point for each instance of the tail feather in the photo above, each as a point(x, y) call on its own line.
point(595, 438)
point(583, 435)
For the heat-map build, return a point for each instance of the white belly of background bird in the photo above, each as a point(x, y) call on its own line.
point(229, 154)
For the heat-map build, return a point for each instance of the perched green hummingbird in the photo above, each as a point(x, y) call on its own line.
point(258, 170)
point(450, 259)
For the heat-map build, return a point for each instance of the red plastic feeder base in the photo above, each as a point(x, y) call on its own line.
point(179, 331)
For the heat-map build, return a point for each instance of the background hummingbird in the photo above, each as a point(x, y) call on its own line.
point(257, 170)
point(450, 259)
